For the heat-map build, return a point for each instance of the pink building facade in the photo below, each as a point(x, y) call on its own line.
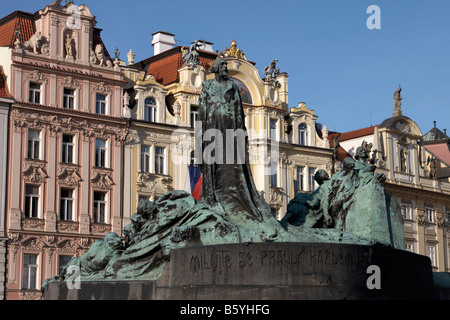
point(66, 135)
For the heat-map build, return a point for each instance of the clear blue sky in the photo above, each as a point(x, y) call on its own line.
point(341, 69)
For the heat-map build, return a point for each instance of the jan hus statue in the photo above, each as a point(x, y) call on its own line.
point(227, 178)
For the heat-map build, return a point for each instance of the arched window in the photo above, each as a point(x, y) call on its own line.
point(150, 110)
point(302, 134)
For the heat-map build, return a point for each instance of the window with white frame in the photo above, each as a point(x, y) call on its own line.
point(273, 178)
point(99, 207)
point(273, 129)
point(302, 134)
point(66, 205)
point(69, 99)
point(194, 116)
point(145, 158)
point(100, 153)
point(29, 271)
point(67, 148)
point(311, 181)
point(100, 103)
point(429, 214)
point(431, 253)
point(150, 110)
point(34, 143)
point(299, 182)
point(406, 210)
point(159, 160)
point(34, 93)
point(31, 207)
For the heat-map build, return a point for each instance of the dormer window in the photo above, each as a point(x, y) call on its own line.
point(150, 110)
point(302, 134)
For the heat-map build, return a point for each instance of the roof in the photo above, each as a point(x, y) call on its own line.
point(441, 151)
point(344, 136)
point(165, 65)
point(9, 24)
point(4, 92)
point(434, 135)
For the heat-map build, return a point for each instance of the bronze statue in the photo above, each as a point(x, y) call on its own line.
point(227, 183)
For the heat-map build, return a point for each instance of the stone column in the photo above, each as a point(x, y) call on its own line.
point(421, 230)
point(50, 213)
point(84, 191)
point(440, 233)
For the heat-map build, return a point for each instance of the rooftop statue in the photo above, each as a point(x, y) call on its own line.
point(190, 56)
point(398, 102)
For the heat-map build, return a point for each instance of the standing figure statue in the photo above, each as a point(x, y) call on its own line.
point(68, 45)
point(227, 183)
point(190, 56)
point(398, 102)
point(271, 72)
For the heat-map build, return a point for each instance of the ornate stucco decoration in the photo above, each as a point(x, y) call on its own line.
point(154, 183)
point(234, 52)
point(68, 175)
point(102, 179)
point(34, 171)
point(276, 197)
point(102, 88)
point(70, 82)
point(33, 224)
point(402, 126)
point(36, 76)
point(68, 226)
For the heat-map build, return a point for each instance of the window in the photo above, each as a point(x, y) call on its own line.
point(29, 272)
point(298, 183)
point(194, 116)
point(302, 134)
point(100, 153)
point(159, 160)
point(67, 148)
point(150, 110)
point(66, 205)
point(145, 159)
point(33, 144)
point(34, 93)
point(62, 262)
point(99, 207)
point(406, 211)
point(429, 214)
point(69, 98)
point(311, 181)
point(100, 103)
point(274, 176)
point(273, 129)
point(31, 201)
point(409, 247)
point(431, 253)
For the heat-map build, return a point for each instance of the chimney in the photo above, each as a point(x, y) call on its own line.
point(162, 41)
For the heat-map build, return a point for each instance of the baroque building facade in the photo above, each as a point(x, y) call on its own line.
point(163, 105)
point(416, 167)
point(66, 134)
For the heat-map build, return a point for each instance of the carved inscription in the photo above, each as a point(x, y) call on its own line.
point(220, 262)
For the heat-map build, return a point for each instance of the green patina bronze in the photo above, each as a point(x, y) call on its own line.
point(352, 207)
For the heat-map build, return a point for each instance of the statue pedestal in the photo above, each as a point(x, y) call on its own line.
point(275, 271)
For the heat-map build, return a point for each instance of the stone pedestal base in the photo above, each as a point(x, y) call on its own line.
point(275, 271)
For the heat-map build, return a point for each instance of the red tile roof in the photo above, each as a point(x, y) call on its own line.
point(4, 92)
point(9, 24)
point(441, 151)
point(165, 65)
point(356, 133)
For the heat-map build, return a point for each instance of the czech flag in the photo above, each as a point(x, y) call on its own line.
point(194, 181)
